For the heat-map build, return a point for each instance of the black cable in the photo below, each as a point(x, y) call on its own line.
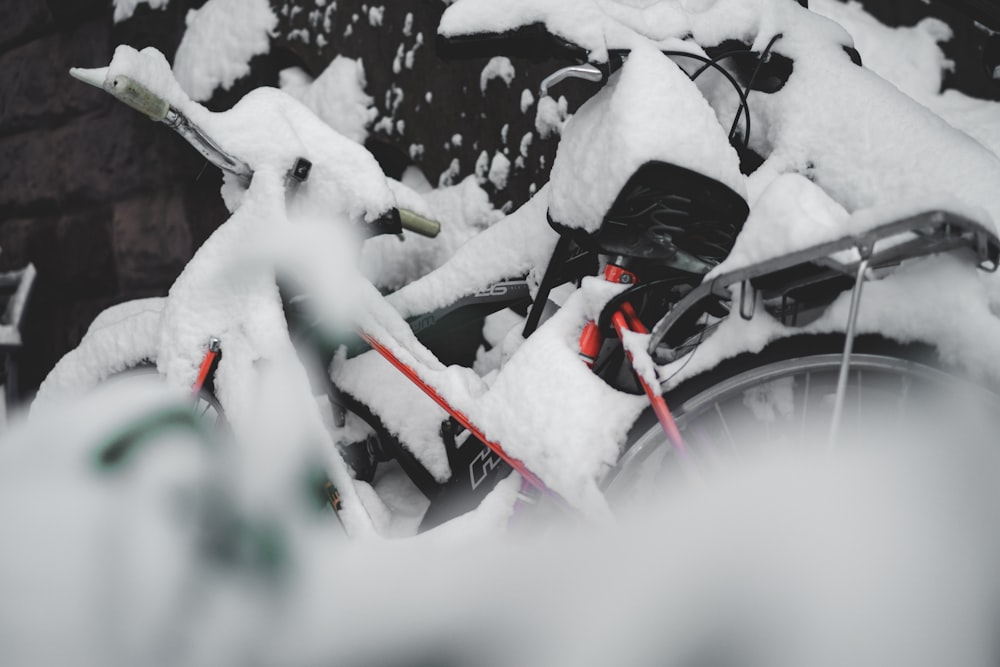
point(753, 78)
point(690, 356)
point(719, 58)
point(744, 105)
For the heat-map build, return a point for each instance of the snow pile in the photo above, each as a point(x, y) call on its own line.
point(877, 158)
point(793, 213)
point(499, 171)
point(649, 111)
point(338, 96)
point(221, 38)
point(980, 119)
point(497, 68)
point(551, 116)
point(909, 57)
point(596, 26)
point(119, 338)
point(515, 246)
point(548, 409)
point(125, 8)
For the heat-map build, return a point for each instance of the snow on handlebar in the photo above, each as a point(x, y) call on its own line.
point(134, 94)
point(137, 96)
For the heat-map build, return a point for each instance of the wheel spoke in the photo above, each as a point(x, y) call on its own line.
point(805, 407)
point(725, 427)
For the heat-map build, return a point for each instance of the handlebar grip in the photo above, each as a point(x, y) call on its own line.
point(137, 96)
point(419, 224)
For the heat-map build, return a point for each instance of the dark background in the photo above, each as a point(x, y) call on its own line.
point(109, 206)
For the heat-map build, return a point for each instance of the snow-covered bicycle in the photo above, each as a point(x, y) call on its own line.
point(647, 186)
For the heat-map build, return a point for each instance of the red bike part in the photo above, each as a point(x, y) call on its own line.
point(616, 274)
point(590, 343)
point(203, 371)
point(459, 416)
point(626, 319)
point(621, 321)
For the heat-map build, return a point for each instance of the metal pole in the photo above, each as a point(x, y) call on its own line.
point(845, 362)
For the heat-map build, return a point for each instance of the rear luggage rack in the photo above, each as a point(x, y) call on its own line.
point(810, 279)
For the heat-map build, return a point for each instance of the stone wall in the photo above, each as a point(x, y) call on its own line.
point(110, 206)
point(105, 203)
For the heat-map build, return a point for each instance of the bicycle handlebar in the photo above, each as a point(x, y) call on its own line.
point(137, 96)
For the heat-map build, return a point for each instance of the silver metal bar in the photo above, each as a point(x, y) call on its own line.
point(587, 72)
point(845, 361)
point(747, 311)
point(209, 149)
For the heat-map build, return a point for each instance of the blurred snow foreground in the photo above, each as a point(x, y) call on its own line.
point(133, 537)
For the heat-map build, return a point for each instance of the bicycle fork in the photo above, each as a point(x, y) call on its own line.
point(626, 320)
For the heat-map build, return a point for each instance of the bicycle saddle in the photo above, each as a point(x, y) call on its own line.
point(670, 215)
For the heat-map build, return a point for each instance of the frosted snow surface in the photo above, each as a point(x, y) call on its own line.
point(649, 110)
point(118, 338)
point(463, 210)
point(910, 58)
point(221, 37)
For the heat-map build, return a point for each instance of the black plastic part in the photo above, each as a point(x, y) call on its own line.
point(300, 170)
point(991, 58)
point(475, 471)
point(549, 281)
point(854, 55)
point(772, 70)
point(389, 447)
point(614, 368)
point(532, 42)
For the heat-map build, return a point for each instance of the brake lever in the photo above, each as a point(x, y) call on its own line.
point(587, 72)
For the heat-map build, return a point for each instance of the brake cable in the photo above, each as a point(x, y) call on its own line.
point(744, 104)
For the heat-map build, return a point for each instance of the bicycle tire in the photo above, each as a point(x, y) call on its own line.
point(781, 359)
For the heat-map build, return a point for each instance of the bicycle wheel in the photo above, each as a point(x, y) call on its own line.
point(206, 406)
point(784, 396)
